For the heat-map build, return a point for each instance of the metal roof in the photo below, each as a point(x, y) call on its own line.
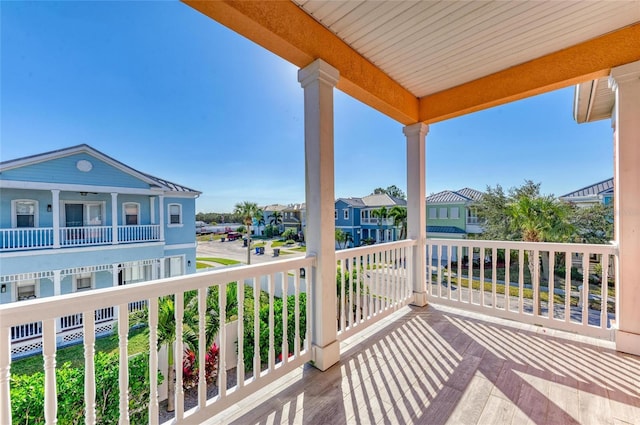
point(600, 188)
point(445, 229)
point(463, 195)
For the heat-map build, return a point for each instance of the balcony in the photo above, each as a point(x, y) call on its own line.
point(376, 221)
point(456, 359)
point(42, 238)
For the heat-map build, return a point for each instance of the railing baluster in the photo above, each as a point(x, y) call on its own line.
point(459, 272)
point(285, 319)
point(309, 283)
point(481, 265)
point(370, 285)
point(585, 288)
point(240, 366)
point(604, 303)
point(272, 288)
point(153, 361)
point(296, 338)
point(123, 378)
point(551, 284)
point(344, 271)
point(178, 354)
point(494, 276)
point(439, 275)
point(521, 281)
point(507, 279)
point(5, 375)
point(537, 307)
point(222, 352)
point(358, 275)
point(203, 346)
point(567, 286)
point(429, 268)
point(256, 329)
point(89, 368)
point(49, 355)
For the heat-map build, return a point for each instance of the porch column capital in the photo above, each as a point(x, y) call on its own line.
point(417, 129)
point(318, 70)
point(627, 73)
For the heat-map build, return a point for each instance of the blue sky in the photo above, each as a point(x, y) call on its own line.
point(164, 89)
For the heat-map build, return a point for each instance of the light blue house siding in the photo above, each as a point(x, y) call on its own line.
point(347, 214)
point(76, 219)
point(355, 216)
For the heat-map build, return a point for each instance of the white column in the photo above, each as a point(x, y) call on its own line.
point(55, 216)
point(625, 81)
point(161, 216)
point(114, 218)
point(318, 80)
point(56, 282)
point(416, 207)
point(152, 209)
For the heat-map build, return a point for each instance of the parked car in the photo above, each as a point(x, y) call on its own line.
point(232, 236)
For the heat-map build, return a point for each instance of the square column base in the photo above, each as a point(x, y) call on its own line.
point(420, 299)
point(628, 342)
point(325, 357)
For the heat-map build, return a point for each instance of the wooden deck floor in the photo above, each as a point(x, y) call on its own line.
point(437, 365)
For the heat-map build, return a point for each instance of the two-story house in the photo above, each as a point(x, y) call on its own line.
point(76, 219)
point(597, 193)
point(294, 217)
point(451, 214)
point(366, 219)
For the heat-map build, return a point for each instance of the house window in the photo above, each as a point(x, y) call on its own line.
point(25, 213)
point(455, 212)
point(443, 213)
point(175, 214)
point(82, 281)
point(26, 290)
point(131, 214)
point(346, 214)
point(433, 213)
point(137, 273)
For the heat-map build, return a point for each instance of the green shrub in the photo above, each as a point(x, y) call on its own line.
point(289, 234)
point(277, 332)
point(290, 242)
point(27, 392)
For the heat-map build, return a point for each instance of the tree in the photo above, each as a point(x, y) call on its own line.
point(247, 211)
point(382, 214)
point(276, 219)
point(492, 210)
point(343, 238)
point(259, 218)
point(392, 190)
point(592, 224)
point(399, 215)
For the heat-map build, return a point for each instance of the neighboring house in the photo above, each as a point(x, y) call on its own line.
point(355, 216)
point(451, 214)
point(294, 217)
point(76, 219)
point(598, 193)
point(267, 213)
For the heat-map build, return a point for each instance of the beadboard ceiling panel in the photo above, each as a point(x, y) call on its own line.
point(430, 46)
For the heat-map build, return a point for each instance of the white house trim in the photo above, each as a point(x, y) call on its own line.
point(180, 246)
point(78, 250)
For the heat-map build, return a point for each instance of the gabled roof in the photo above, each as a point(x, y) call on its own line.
point(382, 200)
point(274, 207)
point(353, 202)
point(84, 148)
point(600, 188)
point(295, 207)
point(463, 195)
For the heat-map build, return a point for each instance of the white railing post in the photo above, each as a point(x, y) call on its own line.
point(416, 207)
point(49, 355)
point(318, 80)
point(161, 215)
point(89, 369)
point(114, 218)
point(55, 214)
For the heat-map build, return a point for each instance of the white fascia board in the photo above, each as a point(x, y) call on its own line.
point(18, 184)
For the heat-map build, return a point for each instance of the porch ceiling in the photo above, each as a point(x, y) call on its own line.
point(432, 60)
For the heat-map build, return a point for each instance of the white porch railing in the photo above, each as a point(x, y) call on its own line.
point(529, 282)
point(139, 233)
point(385, 222)
point(87, 235)
point(372, 282)
point(26, 238)
point(291, 279)
point(26, 331)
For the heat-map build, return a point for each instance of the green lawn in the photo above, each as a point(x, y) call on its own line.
point(298, 249)
point(200, 265)
point(223, 261)
point(138, 342)
point(276, 244)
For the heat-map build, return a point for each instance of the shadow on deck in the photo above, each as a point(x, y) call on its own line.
point(437, 365)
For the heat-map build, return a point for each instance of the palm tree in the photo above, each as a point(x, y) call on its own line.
point(259, 218)
point(247, 211)
point(382, 214)
point(276, 219)
point(399, 215)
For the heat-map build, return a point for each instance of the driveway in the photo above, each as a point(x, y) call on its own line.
point(235, 251)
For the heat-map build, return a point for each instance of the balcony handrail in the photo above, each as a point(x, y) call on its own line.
point(611, 248)
point(370, 249)
point(13, 314)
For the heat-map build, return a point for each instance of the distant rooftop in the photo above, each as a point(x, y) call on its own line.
point(600, 188)
point(455, 196)
point(374, 200)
